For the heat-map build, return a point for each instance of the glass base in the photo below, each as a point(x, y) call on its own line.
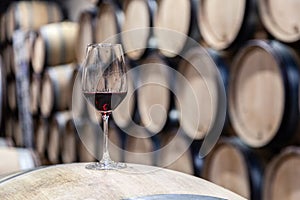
point(106, 165)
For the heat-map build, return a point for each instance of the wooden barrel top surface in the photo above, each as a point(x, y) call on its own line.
point(73, 181)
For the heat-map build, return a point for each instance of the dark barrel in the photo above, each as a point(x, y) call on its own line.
point(236, 167)
point(282, 175)
point(263, 94)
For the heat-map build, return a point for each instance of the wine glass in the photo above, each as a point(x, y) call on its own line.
point(104, 84)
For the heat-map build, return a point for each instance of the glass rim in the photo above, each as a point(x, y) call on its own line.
point(104, 45)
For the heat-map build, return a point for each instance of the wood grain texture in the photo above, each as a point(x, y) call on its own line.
point(73, 181)
point(282, 175)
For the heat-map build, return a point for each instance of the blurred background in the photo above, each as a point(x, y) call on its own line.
point(248, 49)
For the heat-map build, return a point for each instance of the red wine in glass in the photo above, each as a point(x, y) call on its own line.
point(105, 102)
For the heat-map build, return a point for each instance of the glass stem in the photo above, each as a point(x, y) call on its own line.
point(105, 158)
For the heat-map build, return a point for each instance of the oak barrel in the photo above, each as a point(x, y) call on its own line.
point(139, 147)
point(17, 159)
point(55, 89)
point(200, 92)
point(137, 36)
point(35, 92)
point(69, 143)
point(57, 135)
point(31, 15)
point(108, 23)
point(174, 152)
point(75, 182)
point(54, 45)
point(282, 175)
point(41, 139)
point(281, 19)
point(263, 94)
point(86, 32)
point(174, 24)
point(227, 24)
point(88, 140)
point(236, 167)
point(153, 94)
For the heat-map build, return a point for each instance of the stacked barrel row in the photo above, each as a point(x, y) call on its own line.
point(254, 47)
point(260, 78)
point(52, 71)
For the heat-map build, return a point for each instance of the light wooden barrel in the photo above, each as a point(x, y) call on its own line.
point(108, 23)
point(41, 139)
point(137, 36)
point(56, 89)
point(153, 95)
point(35, 91)
point(86, 33)
point(226, 24)
point(57, 135)
point(54, 45)
point(282, 175)
point(263, 94)
point(74, 181)
point(181, 19)
point(69, 151)
point(31, 15)
point(281, 19)
point(139, 147)
point(199, 96)
point(88, 140)
point(175, 152)
point(17, 159)
point(234, 166)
